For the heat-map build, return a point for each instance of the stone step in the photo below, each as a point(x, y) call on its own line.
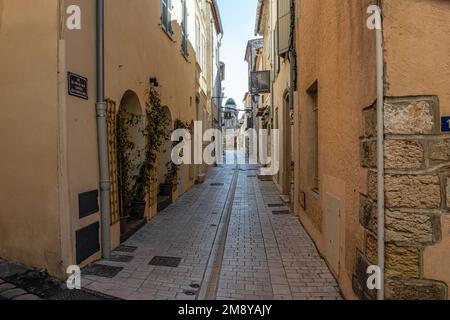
point(286, 199)
point(265, 178)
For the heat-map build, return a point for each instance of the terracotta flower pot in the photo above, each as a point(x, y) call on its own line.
point(138, 211)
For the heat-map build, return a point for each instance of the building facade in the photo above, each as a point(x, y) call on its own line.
point(52, 130)
point(332, 120)
point(336, 193)
point(251, 100)
point(274, 25)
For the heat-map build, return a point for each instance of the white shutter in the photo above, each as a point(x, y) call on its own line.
point(277, 49)
point(284, 25)
point(169, 16)
point(164, 14)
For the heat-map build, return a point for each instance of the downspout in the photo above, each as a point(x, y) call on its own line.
point(292, 57)
point(103, 135)
point(380, 155)
point(292, 89)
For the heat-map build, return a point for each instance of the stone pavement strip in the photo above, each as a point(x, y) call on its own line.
point(9, 291)
point(265, 256)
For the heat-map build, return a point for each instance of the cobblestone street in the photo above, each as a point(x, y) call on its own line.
point(230, 245)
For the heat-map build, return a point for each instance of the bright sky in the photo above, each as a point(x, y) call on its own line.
point(238, 19)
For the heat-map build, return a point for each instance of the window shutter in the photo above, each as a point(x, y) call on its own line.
point(164, 13)
point(184, 47)
point(169, 16)
point(197, 40)
point(276, 56)
point(284, 26)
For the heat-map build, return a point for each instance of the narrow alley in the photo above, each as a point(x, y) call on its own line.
point(112, 185)
point(229, 238)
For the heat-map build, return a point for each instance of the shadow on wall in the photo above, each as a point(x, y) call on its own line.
point(1, 14)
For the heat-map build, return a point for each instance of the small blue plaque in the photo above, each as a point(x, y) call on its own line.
point(446, 124)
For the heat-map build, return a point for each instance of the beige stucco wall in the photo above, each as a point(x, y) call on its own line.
point(417, 49)
point(81, 122)
point(49, 139)
point(142, 50)
point(29, 215)
point(280, 89)
point(280, 81)
point(336, 49)
point(53, 155)
point(343, 63)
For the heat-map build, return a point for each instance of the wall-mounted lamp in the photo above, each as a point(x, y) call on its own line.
point(154, 82)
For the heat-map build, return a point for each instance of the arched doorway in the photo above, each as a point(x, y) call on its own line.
point(130, 152)
point(165, 184)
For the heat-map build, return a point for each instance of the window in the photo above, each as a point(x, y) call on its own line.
point(166, 16)
point(314, 136)
point(204, 55)
point(197, 39)
point(184, 42)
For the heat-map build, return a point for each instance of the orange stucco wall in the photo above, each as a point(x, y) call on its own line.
point(343, 63)
point(29, 189)
point(336, 49)
point(417, 49)
point(142, 51)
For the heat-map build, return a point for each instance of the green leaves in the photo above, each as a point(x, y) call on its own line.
point(155, 126)
point(157, 131)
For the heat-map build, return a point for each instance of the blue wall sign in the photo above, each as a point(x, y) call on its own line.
point(446, 124)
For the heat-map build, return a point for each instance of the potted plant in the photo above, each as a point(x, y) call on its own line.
point(166, 188)
point(124, 220)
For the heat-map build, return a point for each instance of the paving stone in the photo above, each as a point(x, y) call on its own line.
point(12, 293)
point(6, 286)
point(27, 297)
point(266, 256)
point(8, 269)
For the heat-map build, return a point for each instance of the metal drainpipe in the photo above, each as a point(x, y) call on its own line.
point(292, 56)
point(103, 135)
point(293, 70)
point(380, 156)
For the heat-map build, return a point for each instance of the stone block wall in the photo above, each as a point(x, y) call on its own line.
point(417, 190)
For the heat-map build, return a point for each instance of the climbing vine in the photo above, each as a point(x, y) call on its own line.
point(128, 154)
point(157, 130)
point(172, 168)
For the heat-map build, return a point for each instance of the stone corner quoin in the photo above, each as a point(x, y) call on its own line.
point(417, 190)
